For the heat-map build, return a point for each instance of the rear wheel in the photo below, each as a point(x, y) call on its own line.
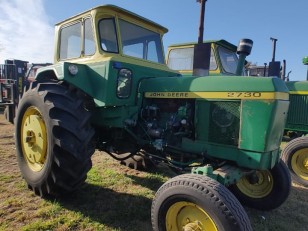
point(53, 139)
point(196, 202)
point(265, 190)
point(295, 155)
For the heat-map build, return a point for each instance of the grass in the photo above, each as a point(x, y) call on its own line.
point(113, 198)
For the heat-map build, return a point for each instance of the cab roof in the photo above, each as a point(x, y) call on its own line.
point(118, 10)
point(221, 42)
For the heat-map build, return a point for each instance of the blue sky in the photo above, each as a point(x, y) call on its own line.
point(26, 26)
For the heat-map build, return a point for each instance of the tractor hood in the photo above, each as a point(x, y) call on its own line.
point(298, 87)
point(215, 87)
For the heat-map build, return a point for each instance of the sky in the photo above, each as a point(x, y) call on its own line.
point(27, 26)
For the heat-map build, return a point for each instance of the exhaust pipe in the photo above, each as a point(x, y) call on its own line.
point(202, 51)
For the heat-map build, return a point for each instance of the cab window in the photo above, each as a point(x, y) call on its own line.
point(229, 60)
point(108, 36)
point(77, 40)
point(182, 59)
point(70, 42)
point(89, 42)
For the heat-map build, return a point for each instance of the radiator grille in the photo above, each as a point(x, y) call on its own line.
point(298, 111)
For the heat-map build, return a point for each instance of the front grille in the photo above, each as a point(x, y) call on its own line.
point(298, 111)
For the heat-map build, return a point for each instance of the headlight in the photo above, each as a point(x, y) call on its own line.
point(124, 83)
point(73, 69)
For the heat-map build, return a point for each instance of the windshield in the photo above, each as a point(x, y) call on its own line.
point(229, 60)
point(136, 41)
point(140, 42)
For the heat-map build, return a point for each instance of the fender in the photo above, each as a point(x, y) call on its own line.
point(90, 80)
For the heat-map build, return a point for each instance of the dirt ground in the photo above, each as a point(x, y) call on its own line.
point(18, 205)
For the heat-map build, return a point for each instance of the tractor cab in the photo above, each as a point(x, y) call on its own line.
point(115, 47)
point(223, 60)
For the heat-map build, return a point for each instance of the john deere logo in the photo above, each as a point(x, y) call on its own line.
point(219, 95)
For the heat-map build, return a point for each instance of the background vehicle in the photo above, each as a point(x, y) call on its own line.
point(14, 77)
point(223, 60)
point(12, 82)
point(295, 153)
point(109, 89)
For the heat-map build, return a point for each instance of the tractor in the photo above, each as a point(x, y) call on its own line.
point(109, 89)
point(224, 61)
point(295, 153)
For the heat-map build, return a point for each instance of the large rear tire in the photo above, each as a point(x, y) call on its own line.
point(196, 202)
point(268, 192)
point(53, 139)
point(295, 155)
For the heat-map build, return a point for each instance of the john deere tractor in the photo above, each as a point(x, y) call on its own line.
point(109, 89)
point(224, 61)
point(295, 153)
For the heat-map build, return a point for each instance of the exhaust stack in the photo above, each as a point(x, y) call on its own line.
point(202, 51)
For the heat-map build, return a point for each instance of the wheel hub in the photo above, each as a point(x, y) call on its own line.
point(260, 187)
point(192, 226)
point(30, 138)
point(299, 163)
point(34, 139)
point(187, 216)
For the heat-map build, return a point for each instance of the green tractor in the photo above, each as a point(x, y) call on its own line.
point(224, 61)
point(109, 89)
point(295, 153)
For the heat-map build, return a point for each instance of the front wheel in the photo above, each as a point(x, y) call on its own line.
point(53, 139)
point(295, 155)
point(196, 202)
point(266, 189)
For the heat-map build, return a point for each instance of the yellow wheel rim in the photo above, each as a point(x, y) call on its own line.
point(299, 163)
point(34, 139)
point(260, 189)
point(189, 217)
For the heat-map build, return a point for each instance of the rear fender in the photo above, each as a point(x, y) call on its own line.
point(60, 72)
point(52, 72)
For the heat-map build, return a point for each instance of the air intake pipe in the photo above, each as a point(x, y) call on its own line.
point(243, 50)
point(305, 62)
